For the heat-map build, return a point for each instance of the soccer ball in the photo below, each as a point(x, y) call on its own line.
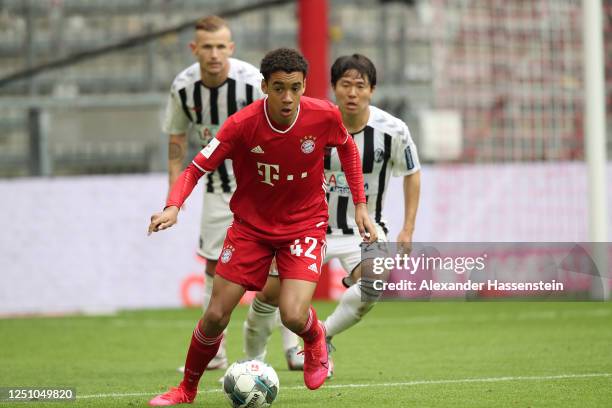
point(250, 384)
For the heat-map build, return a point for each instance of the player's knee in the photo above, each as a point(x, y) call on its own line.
point(294, 317)
point(369, 292)
point(216, 317)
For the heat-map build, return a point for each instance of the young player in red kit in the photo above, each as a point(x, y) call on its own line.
point(277, 146)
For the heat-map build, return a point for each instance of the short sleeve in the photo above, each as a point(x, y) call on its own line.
point(404, 155)
point(175, 120)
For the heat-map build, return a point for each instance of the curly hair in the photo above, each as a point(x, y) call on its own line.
point(283, 59)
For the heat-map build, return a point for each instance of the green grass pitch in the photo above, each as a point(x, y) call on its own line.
point(403, 354)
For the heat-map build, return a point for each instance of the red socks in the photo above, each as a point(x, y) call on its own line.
point(201, 350)
point(310, 332)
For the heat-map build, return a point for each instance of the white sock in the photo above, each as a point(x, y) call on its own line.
point(290, 339)
point(208, 284)
point(260, 321)
point(348, 312)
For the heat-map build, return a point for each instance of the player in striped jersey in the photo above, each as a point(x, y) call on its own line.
point(201, 98)
point(386, 148)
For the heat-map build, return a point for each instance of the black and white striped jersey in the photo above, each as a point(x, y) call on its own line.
point(386, 147)
point(200, 111)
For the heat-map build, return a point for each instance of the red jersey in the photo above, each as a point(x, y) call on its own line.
point(280, 183)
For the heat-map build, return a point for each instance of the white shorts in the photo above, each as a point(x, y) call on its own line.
point(216, 218)
point(347, 248)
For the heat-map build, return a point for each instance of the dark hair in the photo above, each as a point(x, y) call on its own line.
point(210, 24)
point(359, 63)
point(283, 59)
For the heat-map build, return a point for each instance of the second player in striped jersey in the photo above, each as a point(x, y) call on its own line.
point(386, 149)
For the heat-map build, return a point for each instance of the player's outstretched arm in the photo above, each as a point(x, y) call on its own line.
point(178, 194)
point(207, 160)
point(161, 221)
point(177, 149)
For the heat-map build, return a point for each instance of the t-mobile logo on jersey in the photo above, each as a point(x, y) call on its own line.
point(271, 172)
point(266, 172)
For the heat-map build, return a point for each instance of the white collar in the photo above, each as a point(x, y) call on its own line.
point(270, 123)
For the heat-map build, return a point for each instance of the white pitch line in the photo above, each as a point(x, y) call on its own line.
point(390, 384)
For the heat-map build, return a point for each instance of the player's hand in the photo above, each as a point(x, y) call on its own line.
point(404, 241)
point(367, 230)
point(161, 221)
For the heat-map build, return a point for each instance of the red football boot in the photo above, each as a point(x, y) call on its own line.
point(176, 395)
point(316, 363)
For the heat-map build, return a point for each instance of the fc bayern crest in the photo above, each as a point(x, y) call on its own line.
point(308, 144)
point(226, 255)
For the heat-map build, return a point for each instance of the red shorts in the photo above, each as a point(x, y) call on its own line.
point(246, 258)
